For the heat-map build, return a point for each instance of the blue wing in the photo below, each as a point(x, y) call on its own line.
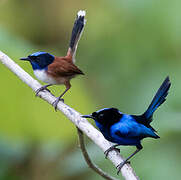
point(129, 132)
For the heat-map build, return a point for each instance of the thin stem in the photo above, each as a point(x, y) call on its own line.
point(88, 160)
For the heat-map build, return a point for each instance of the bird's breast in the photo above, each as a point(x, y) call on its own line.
point(43, 76)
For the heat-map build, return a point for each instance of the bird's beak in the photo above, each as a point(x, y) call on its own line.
point(25, 59)
point(87, 116)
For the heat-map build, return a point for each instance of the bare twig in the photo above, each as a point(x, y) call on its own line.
point(88, 160)
point(71, 114)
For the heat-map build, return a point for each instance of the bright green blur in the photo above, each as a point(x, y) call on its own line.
point(127, 49)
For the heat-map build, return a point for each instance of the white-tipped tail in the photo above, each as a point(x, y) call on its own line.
point(81, 13)
point(76, 34)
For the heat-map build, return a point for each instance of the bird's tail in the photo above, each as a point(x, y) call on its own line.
point(159, 98)
point(76, 34)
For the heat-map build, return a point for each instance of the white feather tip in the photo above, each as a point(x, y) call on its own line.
point(81, 13)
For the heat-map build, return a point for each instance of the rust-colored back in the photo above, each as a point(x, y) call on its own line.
point(63, 67)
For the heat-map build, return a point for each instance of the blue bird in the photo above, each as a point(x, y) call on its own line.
point(129, 130)
point(58, 70)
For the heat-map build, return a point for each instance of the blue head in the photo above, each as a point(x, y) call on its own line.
point(106, 116)
point(39, 60)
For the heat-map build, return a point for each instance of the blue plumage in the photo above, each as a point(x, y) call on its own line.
point(40, 60)
point(158, 99)
point(124, 129)
point(39, 53)
point(129, 132)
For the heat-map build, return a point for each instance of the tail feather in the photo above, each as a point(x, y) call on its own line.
point(158, 99)
point(76, 34)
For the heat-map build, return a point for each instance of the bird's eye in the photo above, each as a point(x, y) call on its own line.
point(101, 115)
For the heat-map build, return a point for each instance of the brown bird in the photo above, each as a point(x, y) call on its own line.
point(58, 70)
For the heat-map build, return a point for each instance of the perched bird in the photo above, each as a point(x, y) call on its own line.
point(58, 70)
point(124, 129)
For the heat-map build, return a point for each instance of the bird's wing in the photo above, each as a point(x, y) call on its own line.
point(62, 67)
point(123, 130)
point(131, 129)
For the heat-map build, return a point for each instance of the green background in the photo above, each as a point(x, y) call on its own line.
point(127, 49)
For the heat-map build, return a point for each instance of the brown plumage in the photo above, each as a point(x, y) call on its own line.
point(59, 70)
point(63, 67)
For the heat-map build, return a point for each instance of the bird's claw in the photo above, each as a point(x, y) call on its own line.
point(119, 166)
point(110, 149)
point(55, 103)
point(41, 89)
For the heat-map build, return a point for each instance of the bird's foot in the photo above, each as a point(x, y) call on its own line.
point(41, 89)
point(55, 103)
point(119, 166)
point(110, 149)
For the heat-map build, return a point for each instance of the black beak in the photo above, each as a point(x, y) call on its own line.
point(88, 116)
point(25, 59)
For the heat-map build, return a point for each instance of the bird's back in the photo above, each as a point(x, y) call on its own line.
point(129, 132)
point(62, 68)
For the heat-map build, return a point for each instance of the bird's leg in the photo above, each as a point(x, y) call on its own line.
point(42, 89)
point(139, 147)
point(110, 149)
point(68, 86)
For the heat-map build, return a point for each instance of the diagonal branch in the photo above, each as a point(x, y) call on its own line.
point(72, 115)
point(88, 160)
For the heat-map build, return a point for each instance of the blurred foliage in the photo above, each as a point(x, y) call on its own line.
point(126, 51)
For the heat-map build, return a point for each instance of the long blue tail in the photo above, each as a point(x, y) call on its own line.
point(159, 98)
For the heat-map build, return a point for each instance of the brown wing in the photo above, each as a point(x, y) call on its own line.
point(62, 67)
